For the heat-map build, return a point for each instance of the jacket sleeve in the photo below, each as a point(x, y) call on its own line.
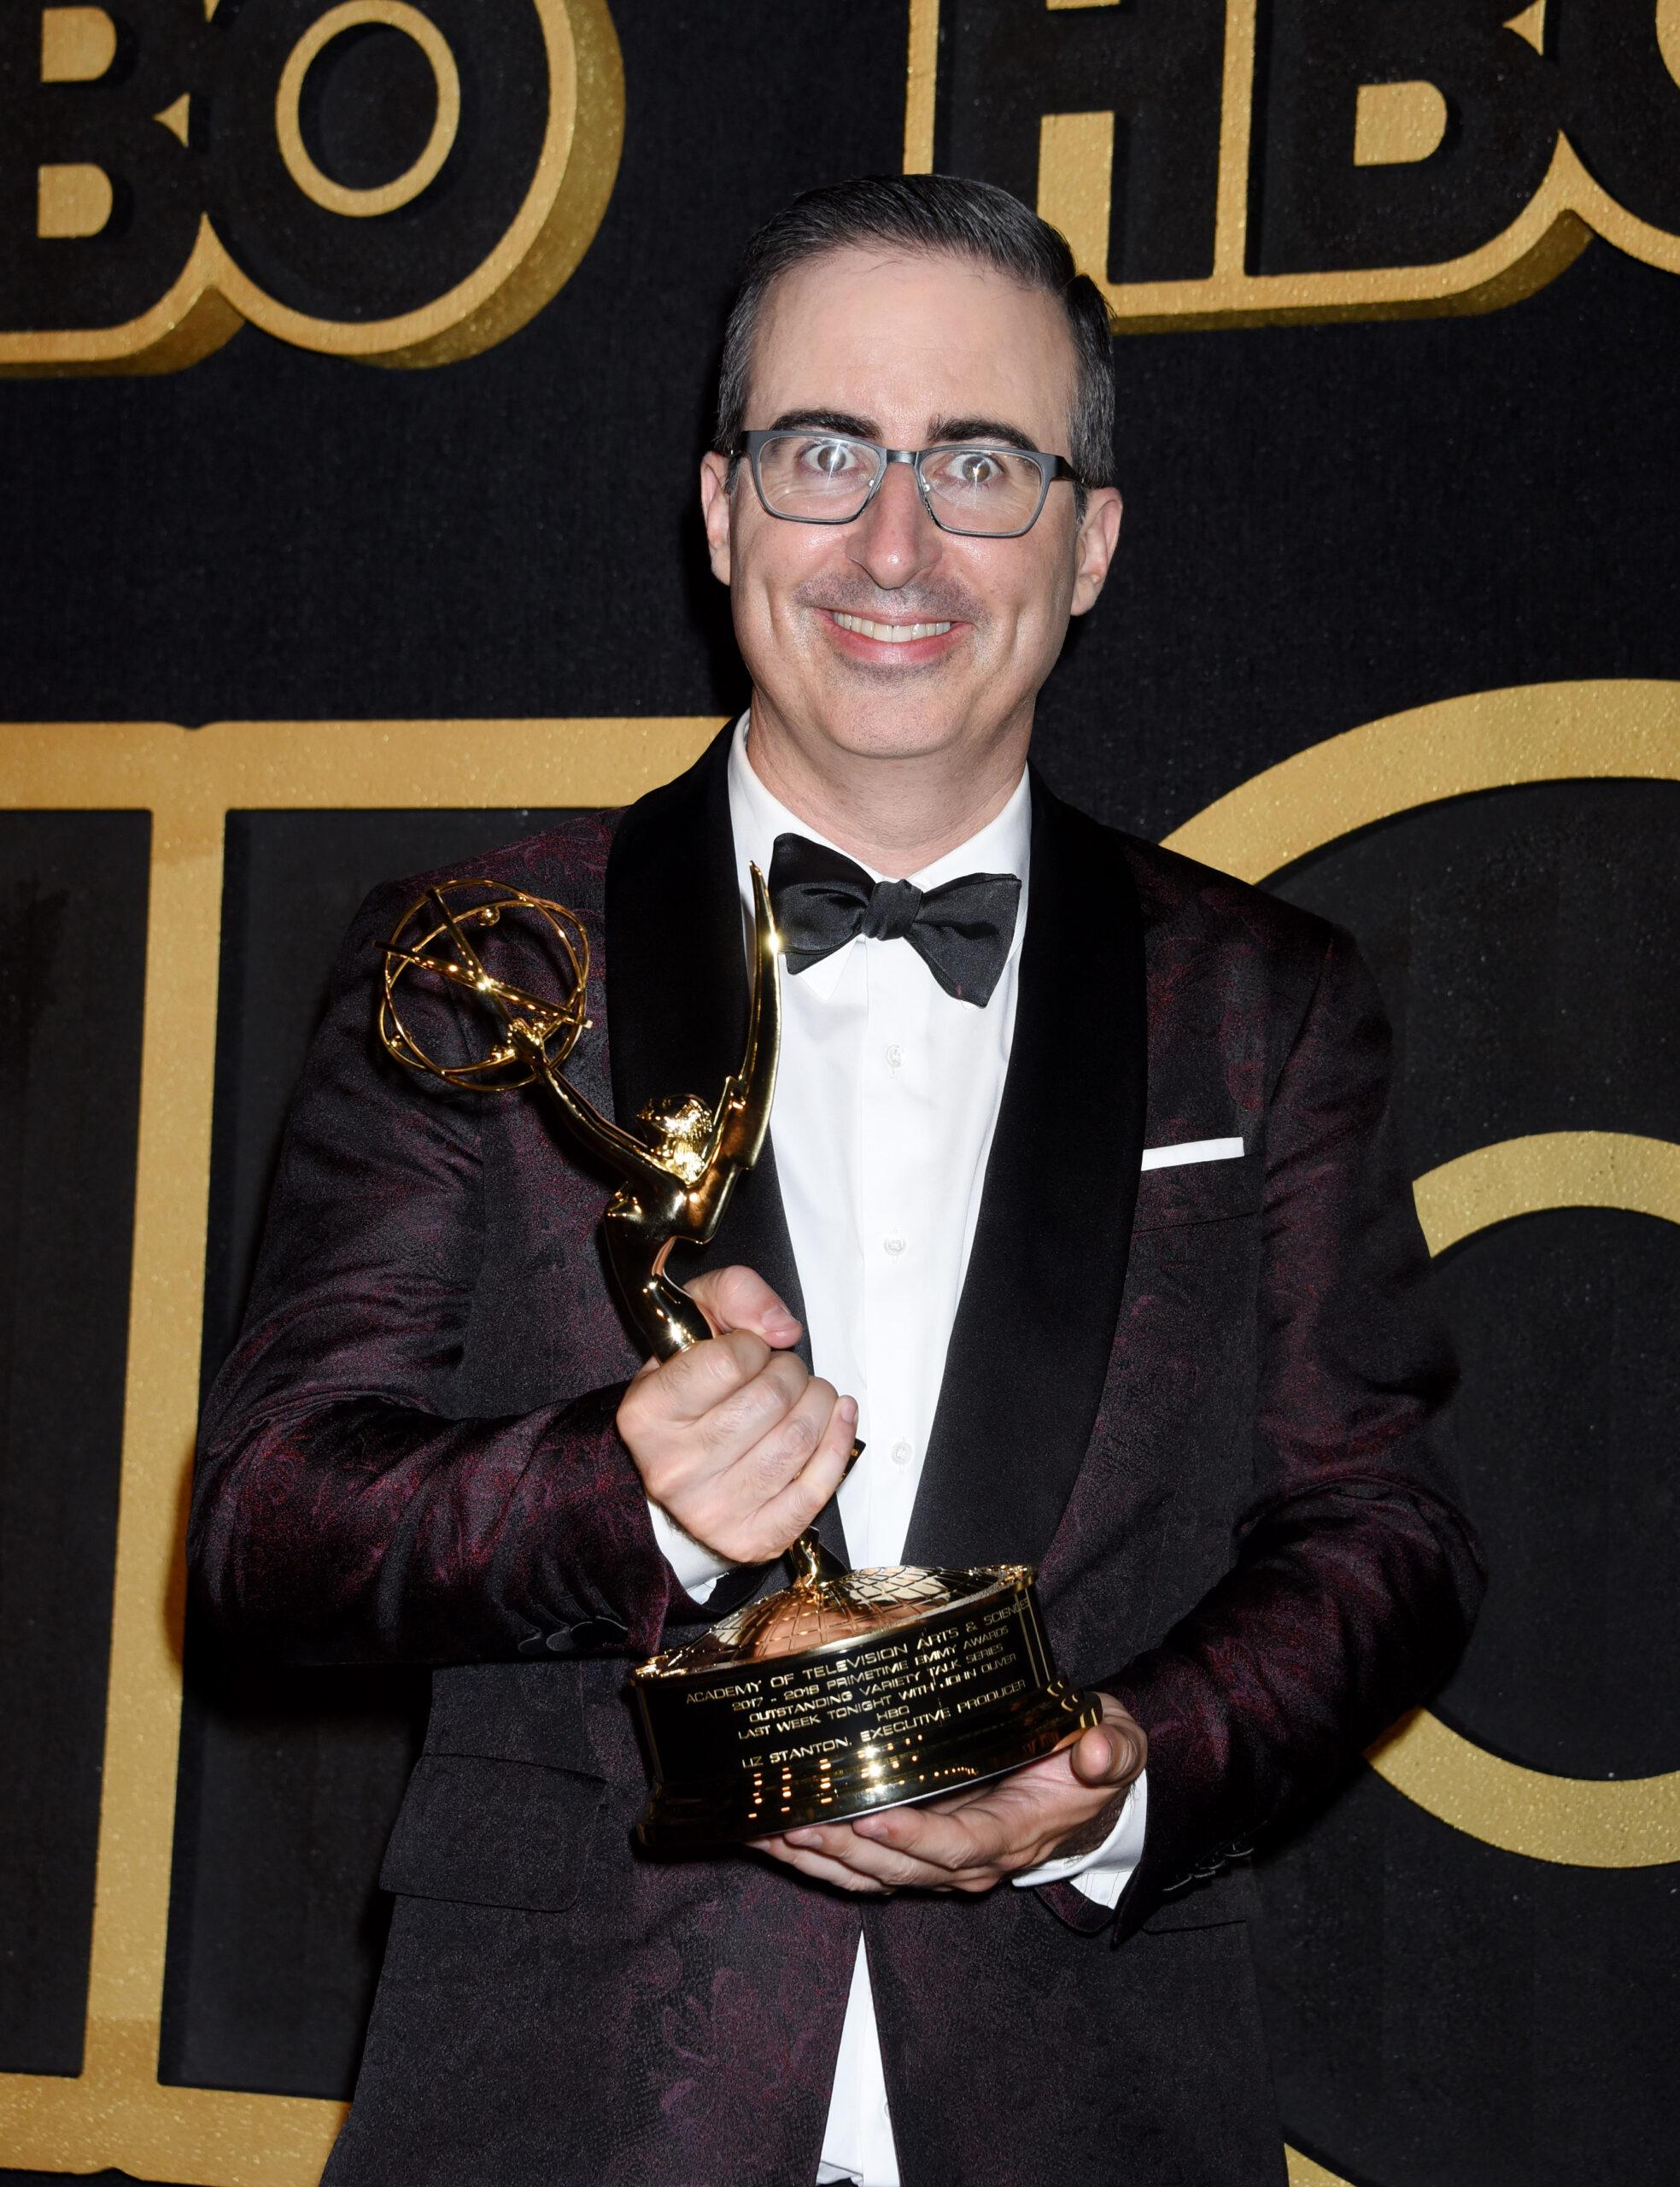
point(342, 1511)
point(1355, 1577)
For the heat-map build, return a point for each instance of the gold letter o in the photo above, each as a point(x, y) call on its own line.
point(1543, 732)
point(1586, 1822)
point(337, 196)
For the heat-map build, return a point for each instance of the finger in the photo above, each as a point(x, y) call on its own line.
point(684, 1389)
point(791, 1412)
point(1099, 1756)
point(739, 1299)
point(883, 1863)
point(1113, 1754)
point(740, 1451)
point(947, 1841)
point(817, 1865)
point(993, 1830)
point(787, 1513)
point(770, 1427)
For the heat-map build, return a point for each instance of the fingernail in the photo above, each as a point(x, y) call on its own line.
point(872, 1825)
point(848, 1412)
point(784, 1329)
point(807, 1838)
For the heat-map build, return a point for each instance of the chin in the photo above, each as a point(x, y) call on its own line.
point(907, 723)
point(869, 734)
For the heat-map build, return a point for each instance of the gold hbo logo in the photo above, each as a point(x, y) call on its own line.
point(405, 184)
point(1225, 162)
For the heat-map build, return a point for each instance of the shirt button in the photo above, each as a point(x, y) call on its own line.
point(895, 1056)
point(894, 1245)
point(902, 1453)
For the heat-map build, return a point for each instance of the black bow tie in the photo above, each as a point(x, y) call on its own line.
point(961, 930)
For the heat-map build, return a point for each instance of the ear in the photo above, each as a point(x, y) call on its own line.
point(715, 505)
point(1094, 547)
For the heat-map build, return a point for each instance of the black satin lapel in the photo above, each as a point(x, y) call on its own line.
point(676, 976)
point(1029, 1352)
point(677, 1003)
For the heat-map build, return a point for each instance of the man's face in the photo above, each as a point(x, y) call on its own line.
point(907, 350)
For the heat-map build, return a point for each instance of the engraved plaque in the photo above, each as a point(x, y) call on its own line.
point(845, 1693)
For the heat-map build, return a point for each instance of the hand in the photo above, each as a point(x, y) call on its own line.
point(734, 1438)
point(1066, 1804)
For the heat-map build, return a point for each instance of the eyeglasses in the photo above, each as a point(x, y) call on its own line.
point(976, 489)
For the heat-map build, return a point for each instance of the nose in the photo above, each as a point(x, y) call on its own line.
point(895, 541)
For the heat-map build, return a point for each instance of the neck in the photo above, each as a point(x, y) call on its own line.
point(896, 813)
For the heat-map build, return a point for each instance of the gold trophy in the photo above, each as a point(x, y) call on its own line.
point(846, 1691)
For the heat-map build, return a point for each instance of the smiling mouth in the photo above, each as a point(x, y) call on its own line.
point(892, 634)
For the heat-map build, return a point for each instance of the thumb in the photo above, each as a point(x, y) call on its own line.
point(739, 1299)
point(1107, 1755)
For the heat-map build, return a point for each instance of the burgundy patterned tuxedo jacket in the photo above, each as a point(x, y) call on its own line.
point(1199, 1397)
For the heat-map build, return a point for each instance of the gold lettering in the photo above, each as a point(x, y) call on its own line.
point(1395, 125)
point(320, 188)
point(72, 200)
point(572, 179)
point(78, 45)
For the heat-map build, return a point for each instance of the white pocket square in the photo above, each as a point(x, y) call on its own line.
point(1190, 1150)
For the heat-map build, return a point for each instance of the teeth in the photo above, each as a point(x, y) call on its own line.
point(892, 634)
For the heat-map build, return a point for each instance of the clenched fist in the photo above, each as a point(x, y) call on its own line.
point(734, 1438)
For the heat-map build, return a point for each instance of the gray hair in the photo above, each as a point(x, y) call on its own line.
point(939, 214)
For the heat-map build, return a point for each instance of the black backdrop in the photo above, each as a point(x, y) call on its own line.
point(1325, 525)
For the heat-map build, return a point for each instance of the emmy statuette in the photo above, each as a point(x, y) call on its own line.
point(846, 1691)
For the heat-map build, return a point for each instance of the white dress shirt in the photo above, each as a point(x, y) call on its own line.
point(886, 1098)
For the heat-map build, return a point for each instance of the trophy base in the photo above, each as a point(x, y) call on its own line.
point(842, 1694)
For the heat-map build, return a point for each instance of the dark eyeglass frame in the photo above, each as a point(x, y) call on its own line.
point(1050, 468)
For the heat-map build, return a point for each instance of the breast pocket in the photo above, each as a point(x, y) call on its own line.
point(485, 1832)
point(1198, 1192)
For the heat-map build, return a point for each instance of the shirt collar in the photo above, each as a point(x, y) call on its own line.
point(1003, 845)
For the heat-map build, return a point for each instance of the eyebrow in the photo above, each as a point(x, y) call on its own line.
point(982, 429)
point(944, 431)
point(829, 421)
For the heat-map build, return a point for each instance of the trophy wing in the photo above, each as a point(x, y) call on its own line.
point(744, 1111)
point(614, 1147)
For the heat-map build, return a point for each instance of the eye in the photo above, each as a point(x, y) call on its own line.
point(974, 473)
point(975, 466)
point(829, 459)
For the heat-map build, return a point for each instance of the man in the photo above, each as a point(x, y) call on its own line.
point(1081, 1182)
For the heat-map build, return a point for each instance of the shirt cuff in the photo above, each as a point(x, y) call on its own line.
point(1104, 1874)
point(698, 1568)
